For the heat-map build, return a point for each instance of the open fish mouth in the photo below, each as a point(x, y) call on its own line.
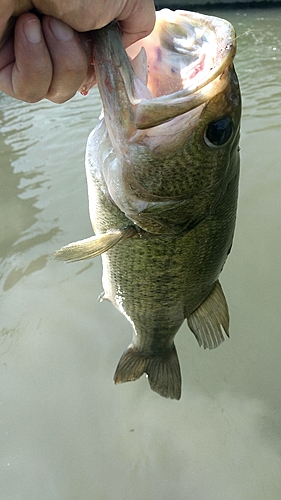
point(187, 54)
point(178, 67)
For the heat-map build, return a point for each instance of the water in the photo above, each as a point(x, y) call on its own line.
point(67, 432)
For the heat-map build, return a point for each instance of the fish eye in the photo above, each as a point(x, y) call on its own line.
point(218, 132)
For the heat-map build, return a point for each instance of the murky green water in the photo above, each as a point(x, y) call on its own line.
point(67, 432)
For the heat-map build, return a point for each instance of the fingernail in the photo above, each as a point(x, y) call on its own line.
point(61, 30)
point(32, 30)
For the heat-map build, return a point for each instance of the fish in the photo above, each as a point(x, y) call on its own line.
point(162, 170)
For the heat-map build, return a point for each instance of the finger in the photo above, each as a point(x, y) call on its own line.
point(137, 22)
point(26, 67)
point(69, 57)
point(90, 79)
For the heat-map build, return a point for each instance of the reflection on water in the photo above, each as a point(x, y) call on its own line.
point(66, 431)
point(33, 157)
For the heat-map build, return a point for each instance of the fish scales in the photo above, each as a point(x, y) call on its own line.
point(162, 171)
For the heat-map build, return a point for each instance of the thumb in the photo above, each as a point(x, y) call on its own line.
point(142, 16)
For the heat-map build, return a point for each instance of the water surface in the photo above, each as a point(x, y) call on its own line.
point(67, 432)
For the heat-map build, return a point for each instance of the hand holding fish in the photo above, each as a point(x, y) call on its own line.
point(46, 57)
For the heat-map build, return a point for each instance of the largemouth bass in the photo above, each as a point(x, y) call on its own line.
point(162, 171)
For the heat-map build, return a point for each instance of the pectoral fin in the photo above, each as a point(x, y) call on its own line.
point(94, 246)
point(209, 320)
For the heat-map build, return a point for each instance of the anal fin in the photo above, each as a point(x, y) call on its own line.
point(209, 320)
point(163, 371)
point(94, 246)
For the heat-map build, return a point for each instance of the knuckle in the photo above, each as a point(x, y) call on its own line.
point(29, 96)
point(32, 87)
point(59, 98)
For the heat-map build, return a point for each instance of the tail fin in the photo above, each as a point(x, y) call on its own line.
point(163, 371)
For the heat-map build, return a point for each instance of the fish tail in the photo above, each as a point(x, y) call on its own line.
point(163, 372)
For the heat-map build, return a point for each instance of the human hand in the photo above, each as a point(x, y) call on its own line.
point(47, 57)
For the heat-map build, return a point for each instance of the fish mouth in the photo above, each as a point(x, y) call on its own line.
point(175, 69)
point(187, 54)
